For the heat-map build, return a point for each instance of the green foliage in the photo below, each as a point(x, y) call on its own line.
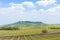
point(54, 27)
point(44, 31)
point(9, 28)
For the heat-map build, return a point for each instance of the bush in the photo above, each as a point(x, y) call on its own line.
point(54, 27)
point(44, 31)
point(9, 28)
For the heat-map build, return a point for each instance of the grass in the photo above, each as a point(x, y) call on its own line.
point(28, 30)
point(22, 31)
point(38, 37)
point(42, 37)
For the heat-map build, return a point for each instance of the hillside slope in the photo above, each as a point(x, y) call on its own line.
point(24, 23)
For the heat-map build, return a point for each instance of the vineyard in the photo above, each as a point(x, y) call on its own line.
point(48, 36)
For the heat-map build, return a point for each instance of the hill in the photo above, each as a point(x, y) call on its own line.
point(24, 23)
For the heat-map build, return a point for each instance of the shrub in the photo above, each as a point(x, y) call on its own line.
point(44, 31)
point(54, 27)
point(9, 28)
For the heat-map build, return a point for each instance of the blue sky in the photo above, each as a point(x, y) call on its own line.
point(47, 11)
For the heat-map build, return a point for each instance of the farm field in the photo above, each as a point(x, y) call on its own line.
point(51, 36)
point(31, 32)
point(27, 31)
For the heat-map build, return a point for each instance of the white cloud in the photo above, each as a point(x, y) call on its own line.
point(54, 11)
point(17, 8)
point(14, 5)
point(14, 8)
point(41, 11)
point(58, 6)
point(45, 2)
point(29, 5)
point(19, 11)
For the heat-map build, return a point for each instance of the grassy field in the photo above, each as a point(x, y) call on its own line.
point(28, 30)
point(43, 37)
point(36, 37)
point(23, 31)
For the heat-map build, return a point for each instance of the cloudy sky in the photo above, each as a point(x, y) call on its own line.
point(47, 11)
